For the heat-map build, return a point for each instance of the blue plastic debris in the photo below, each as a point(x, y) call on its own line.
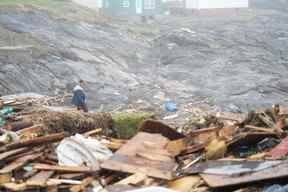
point(6, 111)
point(170, 106)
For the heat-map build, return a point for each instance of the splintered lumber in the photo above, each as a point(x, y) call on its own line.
point(40, 179)
point(261, 129)
point(185, 184)
point(72, 176)
point(16, 126)
point(63, 181)
point(31, 129)
point(5, 178)
point(7, 154)
point(59, 168)
point(134, 179)
point(15, 186)
point(153, 126)
point(36, 141)
point(215, 181)
point(18, 163)
point(127, 160)
point(85, 182)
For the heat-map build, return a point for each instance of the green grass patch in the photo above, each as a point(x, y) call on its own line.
point(48, 3)
point(126, 124)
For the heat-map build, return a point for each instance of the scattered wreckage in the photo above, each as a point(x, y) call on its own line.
point(60, 149)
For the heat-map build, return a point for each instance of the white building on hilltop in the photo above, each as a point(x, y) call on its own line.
point(215, 4)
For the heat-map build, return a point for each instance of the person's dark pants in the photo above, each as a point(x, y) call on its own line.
point(83, 107)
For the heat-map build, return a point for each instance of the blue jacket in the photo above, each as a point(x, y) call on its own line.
point(79, 96)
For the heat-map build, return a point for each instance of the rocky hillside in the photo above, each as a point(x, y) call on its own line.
point(239, 60)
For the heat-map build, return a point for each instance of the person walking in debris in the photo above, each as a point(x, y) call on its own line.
point(79, 96)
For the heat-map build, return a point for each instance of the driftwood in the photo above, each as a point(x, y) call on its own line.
point(67, 169)
point(34, 142)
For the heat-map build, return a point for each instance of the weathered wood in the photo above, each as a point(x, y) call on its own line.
point(154, 156)
point(93, 132)
point(134, 179)
point(31, 129)
point(34, 142)
point(67, 169)
point(62, 181)
point(155, 169)
point(39, 179)
point(29, 174)
point(18, 163)
point(7, 154)
point(262, 129)
point(72, 176)
point(15, 186)
point(16, 126)
point(5, 178)
point(85, 182)
point(127, 160)
point(185, 184)
point(216, 181)
point(153, 126)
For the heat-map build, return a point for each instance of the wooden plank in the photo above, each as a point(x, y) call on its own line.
point(72, 176)
point(153, 126)
point(40, 179)
point(155, 169)
point(185, 184)
point(262, 129)
point(18, 163)
point(29, 174)
point(31, 129)
point(276, 172)
point(33, 142)
point(85, 182)
point(67, 169)
point(134, 179)
point(7, 154)
point(5, 178)
point(15, 186)
point(154, 156)
point(127, 159)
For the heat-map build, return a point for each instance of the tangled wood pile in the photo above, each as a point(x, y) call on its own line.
point(226, 151)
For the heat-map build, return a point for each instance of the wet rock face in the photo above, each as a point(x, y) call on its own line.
point(237, 61)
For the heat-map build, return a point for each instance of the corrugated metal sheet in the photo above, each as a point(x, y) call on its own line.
point(214, 4)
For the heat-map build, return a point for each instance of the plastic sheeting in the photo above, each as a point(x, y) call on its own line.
point(78, 150)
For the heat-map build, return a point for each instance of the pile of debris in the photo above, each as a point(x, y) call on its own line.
point(73, 151)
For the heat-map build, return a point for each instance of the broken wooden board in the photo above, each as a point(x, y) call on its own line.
point(15, 186)
point(72, 176)
point(66, 169)
point(185, 184)
point(134, 179)
point(247, 139)
point(18, 163)
point(84, 183)
point(7, 154)
point(39, 179)
point(153, 126)
point(33, 142)
point(276, 172)
point(5, 178)
point(127, 160)
point(198, 139)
